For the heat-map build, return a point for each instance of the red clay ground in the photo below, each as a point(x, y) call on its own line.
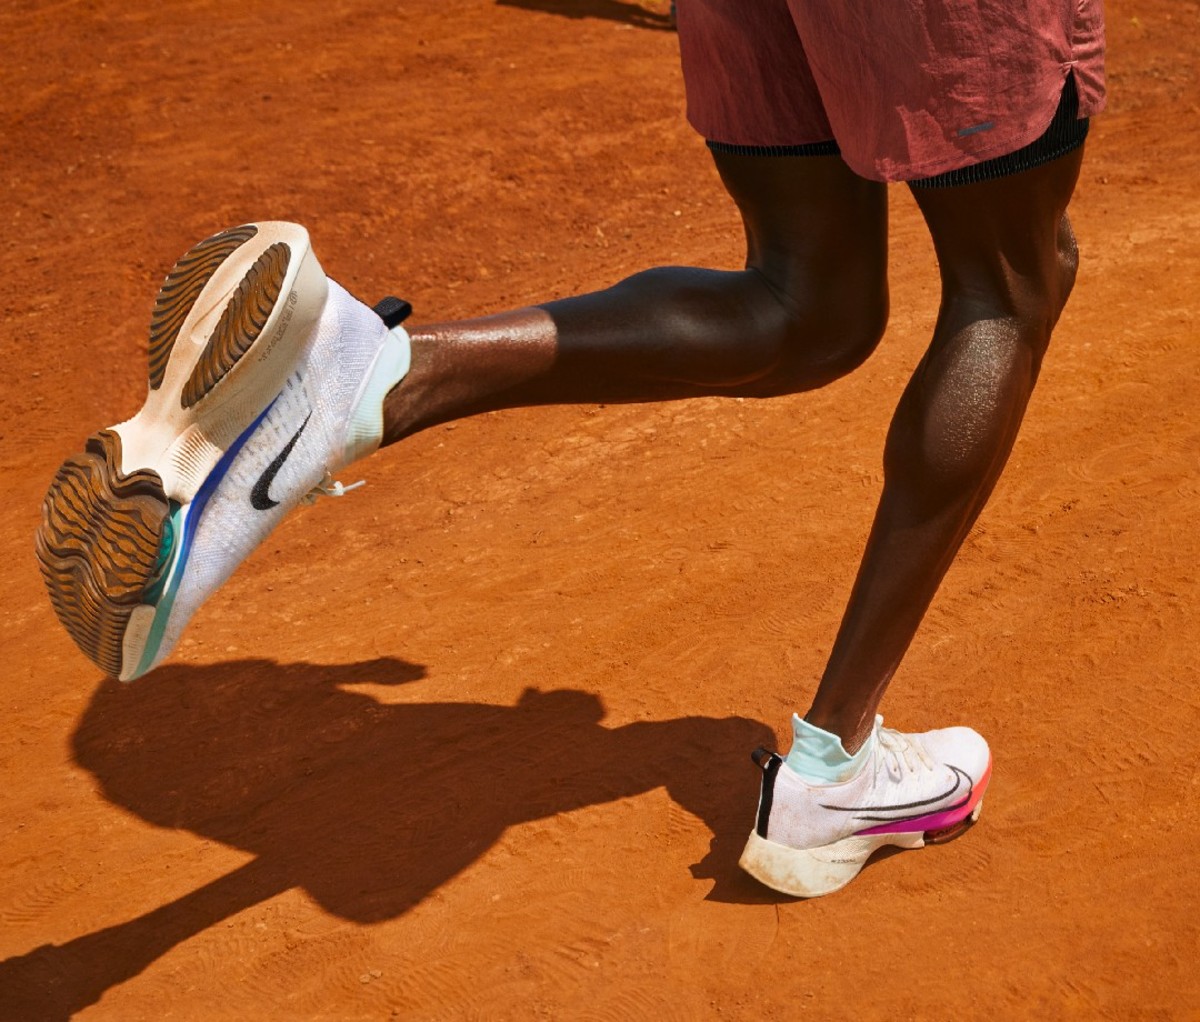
point(472, 743)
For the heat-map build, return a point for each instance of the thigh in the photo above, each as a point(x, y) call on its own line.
point(815, 229)
point(1003, 242)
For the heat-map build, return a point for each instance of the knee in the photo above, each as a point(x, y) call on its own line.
point(825, 338)
point(1068, 261)
point(1043, 299)
point(846, 334)
point(1052, 296)
point(1030, 299)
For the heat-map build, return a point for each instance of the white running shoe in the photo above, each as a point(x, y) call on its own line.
point(813, 837)
point(265, 378)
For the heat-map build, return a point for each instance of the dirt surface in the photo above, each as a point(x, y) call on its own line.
point(472, 743)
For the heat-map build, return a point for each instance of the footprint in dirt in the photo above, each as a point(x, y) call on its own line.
point(368, 807)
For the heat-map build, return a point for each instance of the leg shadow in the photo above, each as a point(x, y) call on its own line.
point(367, 806)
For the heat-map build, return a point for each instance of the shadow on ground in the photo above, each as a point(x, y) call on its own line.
point(609, 10)
point(366, 806)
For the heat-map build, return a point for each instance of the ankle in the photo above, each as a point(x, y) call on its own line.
point(852, 731)
point(407, 407)
point(820, 756)
point(368, 425)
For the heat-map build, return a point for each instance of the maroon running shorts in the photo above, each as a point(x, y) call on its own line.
point(904, 89)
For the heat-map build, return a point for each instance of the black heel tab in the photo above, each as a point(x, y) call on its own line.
point(769, 763)
point(762, 758)
point(393, 311)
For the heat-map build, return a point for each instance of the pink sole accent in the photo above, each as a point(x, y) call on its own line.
point(936, 821)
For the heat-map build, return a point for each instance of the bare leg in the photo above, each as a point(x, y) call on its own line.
point(1007, 259)
point(809, 307)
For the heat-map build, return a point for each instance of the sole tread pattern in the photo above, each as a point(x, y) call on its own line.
point(180, 290)
point(99, 545)
point(241, 323)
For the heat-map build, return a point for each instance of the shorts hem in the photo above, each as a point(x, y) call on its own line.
point(826, 148)
point(1000, 166)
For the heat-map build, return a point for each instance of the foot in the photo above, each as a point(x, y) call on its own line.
point(265, 377)
point(812, 837)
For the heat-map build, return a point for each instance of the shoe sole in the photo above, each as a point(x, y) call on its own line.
point(230, 322)
point(813, 872)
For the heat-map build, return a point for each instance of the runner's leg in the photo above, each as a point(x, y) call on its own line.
point(809, 307)
point(1007, 259)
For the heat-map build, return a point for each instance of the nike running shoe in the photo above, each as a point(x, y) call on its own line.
point(812, 838)
point(265, 378)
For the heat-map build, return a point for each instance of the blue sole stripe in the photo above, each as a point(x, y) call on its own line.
point(190, 515)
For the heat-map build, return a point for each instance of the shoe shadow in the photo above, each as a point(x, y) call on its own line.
point(610, 10)
point(368, 806)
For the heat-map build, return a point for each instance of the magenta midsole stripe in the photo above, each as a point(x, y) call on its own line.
point(939, 820)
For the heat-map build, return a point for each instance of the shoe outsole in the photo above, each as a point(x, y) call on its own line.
point(241, 324)
point(181, 289)
point(105, 538)
point(99, 545)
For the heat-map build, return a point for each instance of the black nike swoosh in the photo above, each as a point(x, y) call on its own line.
point(260, 495)
point(959, 777)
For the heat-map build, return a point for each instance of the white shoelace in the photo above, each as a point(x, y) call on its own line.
point(329, 487)
point(899, 747)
